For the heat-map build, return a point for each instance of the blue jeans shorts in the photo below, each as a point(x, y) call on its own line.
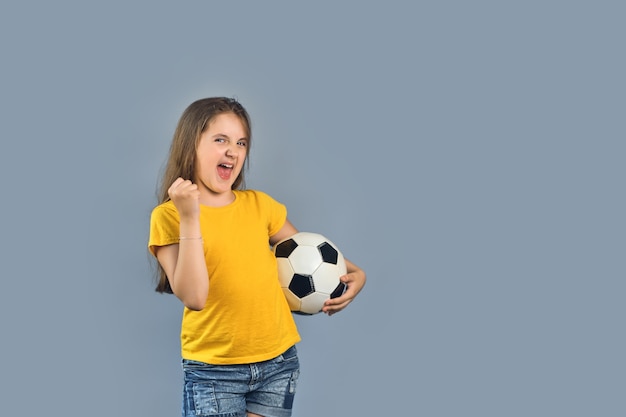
point(265, 388)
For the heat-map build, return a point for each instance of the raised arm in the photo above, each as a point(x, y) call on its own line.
point(184, 263)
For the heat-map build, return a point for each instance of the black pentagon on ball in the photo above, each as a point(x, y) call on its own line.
point(329, 254)
point(337, 292)
point(302, 285)
point(284, 249)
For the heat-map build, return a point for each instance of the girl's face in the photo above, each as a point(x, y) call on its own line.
point(220, 157)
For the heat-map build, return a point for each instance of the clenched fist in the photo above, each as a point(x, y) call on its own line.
point(185, 196)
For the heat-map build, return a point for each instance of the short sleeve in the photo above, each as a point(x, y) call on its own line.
point(164, 226)
point(277, 215)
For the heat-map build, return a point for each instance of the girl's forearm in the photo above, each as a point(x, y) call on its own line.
point(191, 280)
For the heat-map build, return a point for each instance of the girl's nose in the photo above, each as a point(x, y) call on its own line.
point(232, 151)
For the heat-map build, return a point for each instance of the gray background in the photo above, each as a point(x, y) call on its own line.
point(468, 155)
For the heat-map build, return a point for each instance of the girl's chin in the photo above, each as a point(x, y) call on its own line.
point(221, 190)
point(219, 186)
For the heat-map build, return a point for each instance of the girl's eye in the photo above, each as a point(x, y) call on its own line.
point(220, 140)
point(242, 143)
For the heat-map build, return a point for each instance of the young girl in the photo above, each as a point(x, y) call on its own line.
point(212, 240)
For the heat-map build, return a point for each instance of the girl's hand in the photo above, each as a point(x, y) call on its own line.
point(186, 197)
point(354, 280)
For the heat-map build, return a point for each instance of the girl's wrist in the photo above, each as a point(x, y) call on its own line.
point(181, 238)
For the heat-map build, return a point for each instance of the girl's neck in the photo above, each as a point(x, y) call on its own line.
point(217, 200)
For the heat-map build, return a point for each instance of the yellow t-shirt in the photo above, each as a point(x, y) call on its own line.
point(246, 317)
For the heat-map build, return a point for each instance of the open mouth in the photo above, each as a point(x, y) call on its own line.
point(225, 171)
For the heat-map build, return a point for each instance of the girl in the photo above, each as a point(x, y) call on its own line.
point(212, 241)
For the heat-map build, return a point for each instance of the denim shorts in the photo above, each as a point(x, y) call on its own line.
point(266, 388)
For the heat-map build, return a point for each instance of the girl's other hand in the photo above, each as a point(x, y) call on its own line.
point(185, 196)
point(354, 280)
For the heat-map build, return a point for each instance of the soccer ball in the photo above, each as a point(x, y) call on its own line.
point(309, 267)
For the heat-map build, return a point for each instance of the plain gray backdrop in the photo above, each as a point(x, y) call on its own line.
point(468, 155)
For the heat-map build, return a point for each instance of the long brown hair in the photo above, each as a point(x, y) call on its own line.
point(181, 161)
